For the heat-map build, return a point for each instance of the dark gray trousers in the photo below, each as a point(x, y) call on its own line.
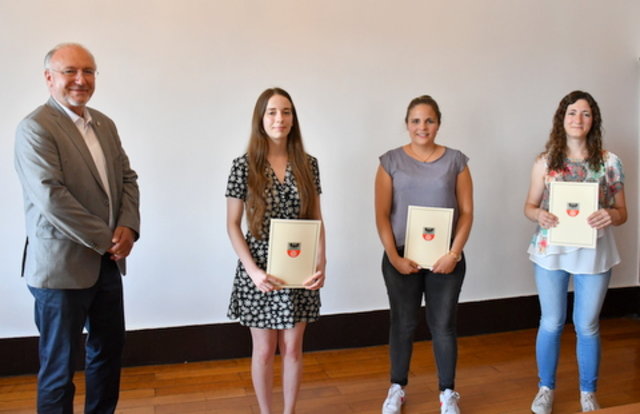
point(441, 292)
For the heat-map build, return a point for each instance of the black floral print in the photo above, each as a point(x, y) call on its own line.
point(279, 309)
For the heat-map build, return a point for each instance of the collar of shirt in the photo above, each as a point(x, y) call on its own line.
point(85, 120)
point(83, 124)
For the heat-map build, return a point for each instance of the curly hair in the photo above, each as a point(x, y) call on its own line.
point(556, 146)
point(259, 181)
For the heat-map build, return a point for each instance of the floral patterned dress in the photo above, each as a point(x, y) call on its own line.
point(610, 178)
point(278, 309)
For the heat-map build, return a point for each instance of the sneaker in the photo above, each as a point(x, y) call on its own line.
point(394, 401)
point(543, 402)
point(588, 401)
point(449, 402)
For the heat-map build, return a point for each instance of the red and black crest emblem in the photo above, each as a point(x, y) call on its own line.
point(573, 209)
point(293, 249)
point(428, 233)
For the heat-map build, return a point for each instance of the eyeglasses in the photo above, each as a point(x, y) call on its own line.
point(73, 72)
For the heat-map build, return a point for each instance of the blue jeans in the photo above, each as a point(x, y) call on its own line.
point(441, 292)
point(589, 293)
point(60, 316)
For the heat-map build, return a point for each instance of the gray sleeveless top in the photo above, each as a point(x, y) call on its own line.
point(416, 183)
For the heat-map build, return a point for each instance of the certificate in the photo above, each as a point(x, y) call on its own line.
point(572, 203)
point(293, 245)
point(428, 235)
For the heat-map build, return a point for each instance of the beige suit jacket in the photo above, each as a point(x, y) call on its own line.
point(66, 205)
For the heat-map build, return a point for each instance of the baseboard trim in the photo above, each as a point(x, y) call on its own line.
point(231, 340)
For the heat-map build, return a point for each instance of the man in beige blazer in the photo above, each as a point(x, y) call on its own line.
point(82, 217)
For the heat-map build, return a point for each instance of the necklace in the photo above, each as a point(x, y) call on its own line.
point(419, 158)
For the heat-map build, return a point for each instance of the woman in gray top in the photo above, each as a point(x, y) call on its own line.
point(422, 173)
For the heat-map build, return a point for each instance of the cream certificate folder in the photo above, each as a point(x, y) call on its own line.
point(572, 203)
point(293, 245)
point(428, 234)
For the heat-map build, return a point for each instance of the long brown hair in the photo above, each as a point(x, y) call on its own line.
point(556, 147)
point(259, 181)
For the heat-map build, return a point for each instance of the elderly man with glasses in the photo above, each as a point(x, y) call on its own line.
point(81, 204)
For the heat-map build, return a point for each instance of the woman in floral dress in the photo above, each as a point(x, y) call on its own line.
point(573, 153)
point(274, 179)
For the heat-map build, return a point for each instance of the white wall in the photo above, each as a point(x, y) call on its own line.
point(180, 79)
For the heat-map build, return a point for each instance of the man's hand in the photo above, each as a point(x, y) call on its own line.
point(123, 238)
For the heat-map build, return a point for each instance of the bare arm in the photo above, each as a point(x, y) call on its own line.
point(263, 281)
point(464, 195)
point(383, 202)
point(532, 209)
point(613, 216)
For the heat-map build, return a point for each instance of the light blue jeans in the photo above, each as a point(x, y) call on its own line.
point(589, 293)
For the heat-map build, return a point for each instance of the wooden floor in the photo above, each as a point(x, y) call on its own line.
point(496, 374)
